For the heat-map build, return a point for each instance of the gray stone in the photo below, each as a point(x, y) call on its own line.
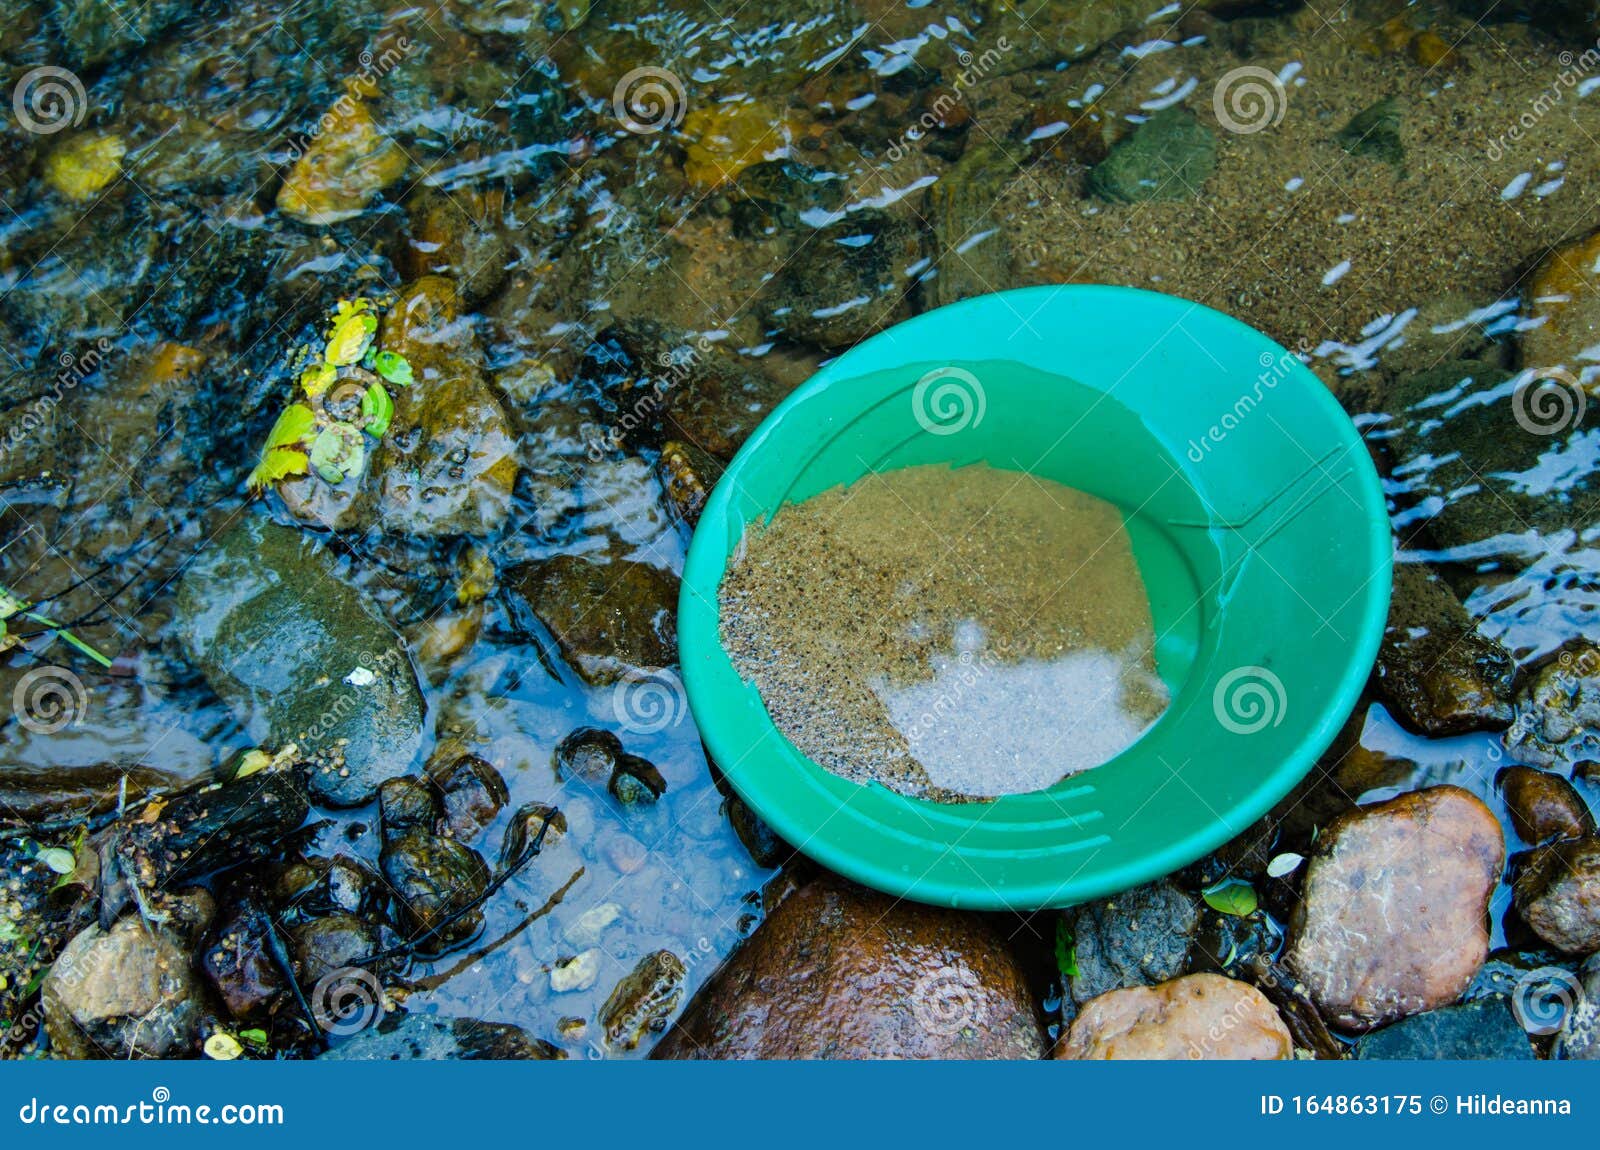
point(1484, 1030)
point(1168, 157)
point(1137, 938)
point(409, 1037)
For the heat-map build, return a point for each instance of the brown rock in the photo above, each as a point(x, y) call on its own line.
point(842, 972)
point(343, 170)
point(1558, 893)
point(1393, 917)
point(607, 618)
point(127, 992)
point(1435, 672)
point(1544, 806)
point(1196, 1016)
point(1566, 302)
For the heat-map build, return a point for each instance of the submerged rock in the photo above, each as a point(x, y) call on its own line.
point(1558, 893)
point(1544, 806)
point(346, 165)
point(607, 618)
point(1579, 1039)
point(434, 879)
point(1375, 131)
point(686, 474)
point(1136, 938)
point(471, 794)
point(644, 1001)
point(1393, 917)
point(1436, 673)
point(81, 167)
point(1204, 1016)
point(1558, 711)
point(837, 971)
point(267, 616)
point(1480, 1031)
point(1168, 157)
point(851, 280)
point(96, 30)
point(972, 254)
point(399, 1037)
point(127, 992)
point(1565, 302)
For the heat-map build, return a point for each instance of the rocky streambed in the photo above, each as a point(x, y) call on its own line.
point(363, 373)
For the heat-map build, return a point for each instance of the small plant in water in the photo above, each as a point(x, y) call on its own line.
point(13, 606)
point(342, 401)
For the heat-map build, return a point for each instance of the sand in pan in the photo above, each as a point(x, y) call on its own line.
point(952, 634)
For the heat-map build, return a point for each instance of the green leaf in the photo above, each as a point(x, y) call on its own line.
point(1232, 896)
point(393, 367)
point(10, 604)
point(1066, 950)
point(293, 427)
point(378, 409)
point(254, 1037)
point(351, 335)
point(280, 463)
point(9, 931)
point(58, 859)
point(338, 452)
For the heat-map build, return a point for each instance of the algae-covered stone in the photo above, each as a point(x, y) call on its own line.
point(1168, 157)
point(265, 613)
point(686, 474)
point(607, 618)
point(96, 30)
point(82, 166)
point(851, 280)
point(1565, 304)
point(347, 164)
point(972, 255)
point(1375, 131)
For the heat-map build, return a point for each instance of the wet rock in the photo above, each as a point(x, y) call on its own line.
point(471, 793)
point(1435, 672)
point(405, 1037)
point(577, 972)
point(1137, 938)
point(1558, 711)
point(33, 793)
point(765, 847)
point(686, 474)
point(1051, 31)
point(332, 943)
point(1579, 1039)
point(726, 138)
point(434, 879)
point(448, 462)
point(127, 992)
point(1558, 894)
point(457, 235)
point(644, 1001)
point(589, 754)
point(267, 616)
point(607, 618)
point(852, 279)
point(343, 169)
point(526, 823)
point(1544, 806)
point(406, 804)
point(971, 253)
point(635, 781)
point(1479, 1031)
point(82, 166)
point(1196, 1016)
point(1393, 915)
point(1168, 157)
point(1375, 132)
point(837, 971)
point(96, 30)
point(238, 966)
point(1565, 302)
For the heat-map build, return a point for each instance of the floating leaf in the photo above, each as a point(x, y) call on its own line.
point(58, 859)
point(280, 456)
point(378, 409)
point(1066, 950)
point(338, 452)
point(293, 426)
point(1231, 896)
point(352, 334)
point(223, 1047)
point(317, 378)
point(393, 367)
point(1286, 863)
point(252, 762)
point(277, 464)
